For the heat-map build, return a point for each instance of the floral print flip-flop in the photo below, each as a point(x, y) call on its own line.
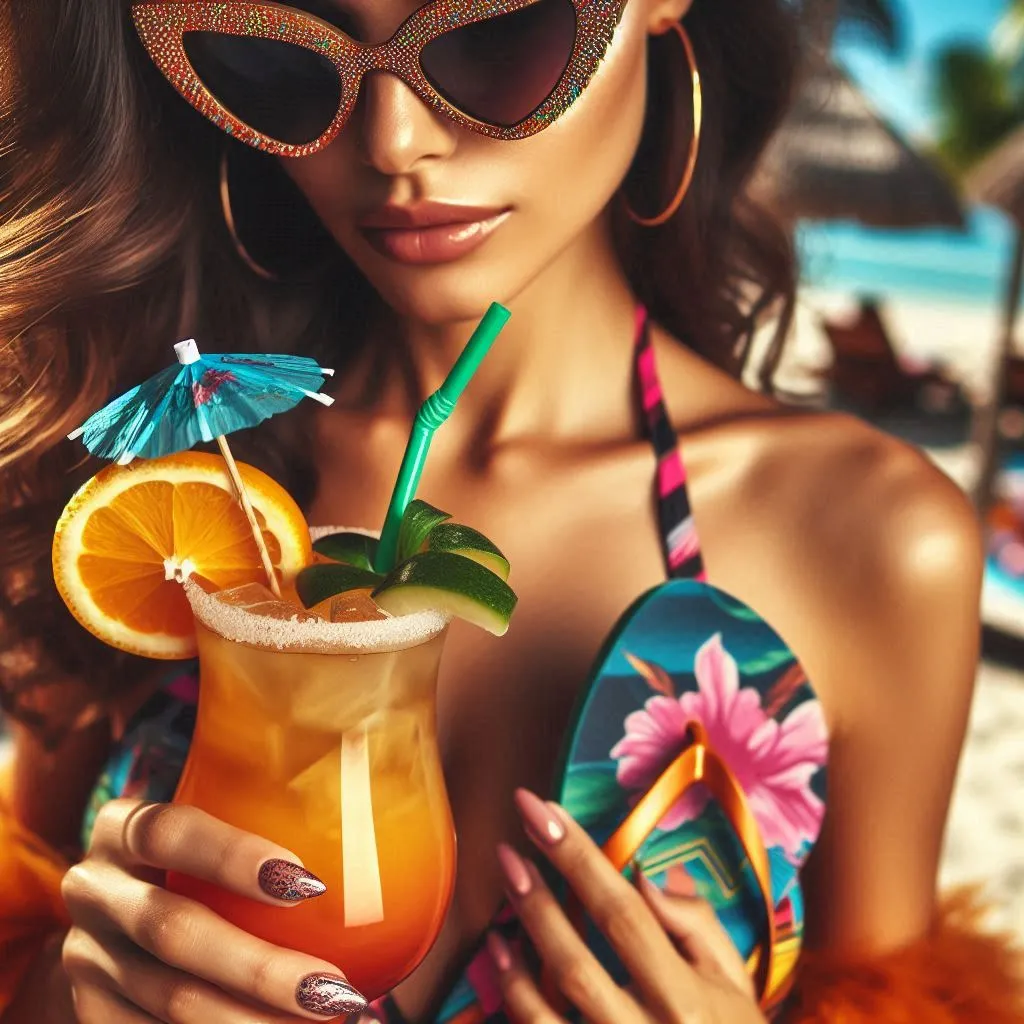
point(700, 747)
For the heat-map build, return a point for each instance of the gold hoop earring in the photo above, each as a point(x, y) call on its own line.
point(229, 220)
point(691, 160)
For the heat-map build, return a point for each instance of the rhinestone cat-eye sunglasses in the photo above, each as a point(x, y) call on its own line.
point(285, 81)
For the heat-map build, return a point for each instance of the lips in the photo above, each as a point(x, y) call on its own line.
point(427, 215)
point(431, 232)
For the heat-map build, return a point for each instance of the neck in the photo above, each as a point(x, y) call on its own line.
point(560, 368)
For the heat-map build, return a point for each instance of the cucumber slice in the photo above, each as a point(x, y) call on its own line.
point(419, 519)
point(449, 583)
point(316, 583)
point(350, 548)
point(470, 543)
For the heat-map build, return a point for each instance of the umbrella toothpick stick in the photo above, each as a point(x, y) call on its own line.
point(250, 514)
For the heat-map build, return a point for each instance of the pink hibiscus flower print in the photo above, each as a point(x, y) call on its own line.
point(773, 761)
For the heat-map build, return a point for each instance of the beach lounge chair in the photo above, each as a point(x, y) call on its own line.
point(869, 378)
point(920, 403)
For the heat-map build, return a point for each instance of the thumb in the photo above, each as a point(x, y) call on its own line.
point(694, 925)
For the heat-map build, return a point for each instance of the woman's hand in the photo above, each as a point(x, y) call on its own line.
point(137, 953)
point(683, 965)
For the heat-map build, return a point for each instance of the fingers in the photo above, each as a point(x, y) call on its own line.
point(174, 837)
point(521, 999)
point(101, 1006)
point(188, 936)
point(573, 967)
point(116, 967)
point(695, 925)
point(618, 910)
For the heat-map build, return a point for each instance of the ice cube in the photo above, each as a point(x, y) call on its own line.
point(352, 606)
point(246, 595)
point(356, 606)
point(281, 610)
point(257, 599)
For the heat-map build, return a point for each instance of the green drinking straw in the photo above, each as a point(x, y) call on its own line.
point(433, 412)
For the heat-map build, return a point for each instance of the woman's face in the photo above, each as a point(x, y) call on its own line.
point(527, 204)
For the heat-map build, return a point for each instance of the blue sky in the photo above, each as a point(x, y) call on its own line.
point(967, 266)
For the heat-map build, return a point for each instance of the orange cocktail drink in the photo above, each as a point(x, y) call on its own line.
point(314, 729)
point(321, 736)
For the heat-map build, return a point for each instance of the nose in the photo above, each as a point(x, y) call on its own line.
point(398, 131)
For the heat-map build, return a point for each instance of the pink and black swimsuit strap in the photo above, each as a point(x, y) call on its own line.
point(679, 534)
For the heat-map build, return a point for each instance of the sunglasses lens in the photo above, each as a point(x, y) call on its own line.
point(284, 91)
point(501, 69)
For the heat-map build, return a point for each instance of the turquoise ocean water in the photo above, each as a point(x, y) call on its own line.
point(967, 267)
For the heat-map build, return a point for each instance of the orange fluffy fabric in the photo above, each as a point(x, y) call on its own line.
point(31, 908)
point(957, 974)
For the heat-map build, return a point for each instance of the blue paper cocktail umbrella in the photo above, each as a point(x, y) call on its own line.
point(203, 398)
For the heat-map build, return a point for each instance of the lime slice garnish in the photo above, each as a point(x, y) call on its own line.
point(442, 581)
point(351, 548)
point(419, 519)
point(470, 543)
point(316, 583)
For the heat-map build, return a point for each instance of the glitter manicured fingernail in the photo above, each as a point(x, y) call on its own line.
point(289, 882)
point(328, 994)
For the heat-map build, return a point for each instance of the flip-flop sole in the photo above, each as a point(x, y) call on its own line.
point(687, 651)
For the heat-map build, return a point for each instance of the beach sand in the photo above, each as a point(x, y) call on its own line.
point(985, 835)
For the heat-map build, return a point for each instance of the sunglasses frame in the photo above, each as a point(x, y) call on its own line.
point(162, 25)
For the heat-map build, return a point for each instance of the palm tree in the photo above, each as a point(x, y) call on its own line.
point(978, 103)
point(980, 97)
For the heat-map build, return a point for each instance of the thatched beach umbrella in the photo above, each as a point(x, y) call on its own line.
point(999, 181)
point(836, 158)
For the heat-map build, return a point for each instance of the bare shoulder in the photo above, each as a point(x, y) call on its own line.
point(836, 533)
point(822, 475)
point(836, 476)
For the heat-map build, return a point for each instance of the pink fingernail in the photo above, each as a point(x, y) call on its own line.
point(500, 953)
point(514, 868)
point(539, 818)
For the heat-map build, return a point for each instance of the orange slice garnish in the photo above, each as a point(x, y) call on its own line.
point(132, 532)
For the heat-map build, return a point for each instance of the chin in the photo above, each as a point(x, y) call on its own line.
point(459, 299)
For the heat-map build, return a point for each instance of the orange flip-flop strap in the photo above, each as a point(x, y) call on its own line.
point(697, 764)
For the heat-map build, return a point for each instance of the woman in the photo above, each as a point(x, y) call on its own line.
point(403, 224)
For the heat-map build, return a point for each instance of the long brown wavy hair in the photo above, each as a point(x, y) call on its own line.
point(112, 246)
